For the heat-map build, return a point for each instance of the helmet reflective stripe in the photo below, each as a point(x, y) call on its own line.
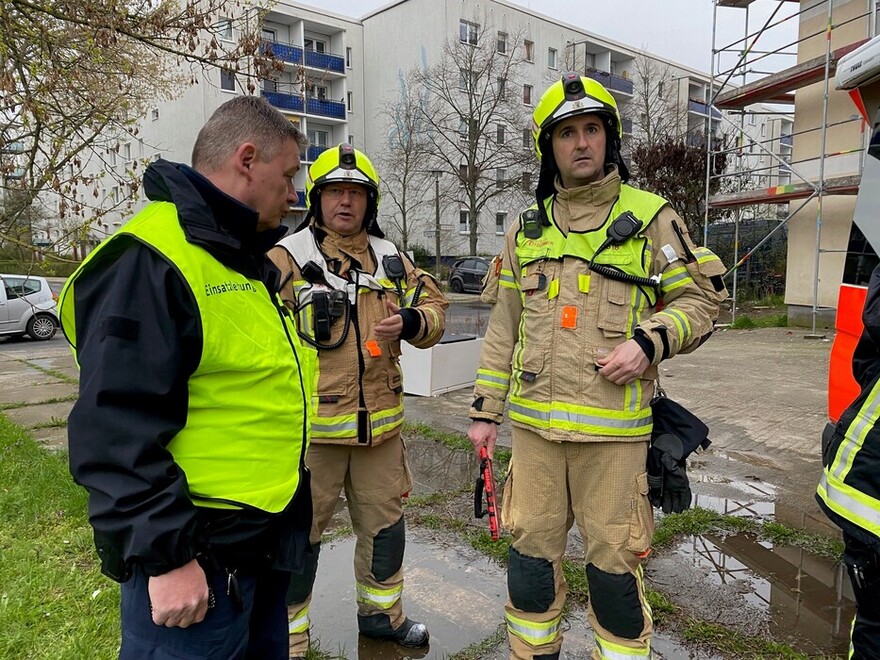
point(579, 107)
point(342, 164)
point(340, 175)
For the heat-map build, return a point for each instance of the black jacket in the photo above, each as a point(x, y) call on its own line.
point(133, 395)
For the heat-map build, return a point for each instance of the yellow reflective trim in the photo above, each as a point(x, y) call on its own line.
point(584, 282)
point(608, 650)
point(342, 426)
point(681, 321)
point(383, 421)
point(300, 622)
point(535, 633)
point(850, 503)
point(585, 419)
point(495, 379)
point(864, 420)
point(553, 289)
point(381, 598)
point(507, 279)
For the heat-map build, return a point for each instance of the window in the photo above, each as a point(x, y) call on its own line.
point(227, 80)
point(763, 130)
point(318, 138)
point(111, 157)
point(155, 114)
point(348, 56)
point(316, 91)
point(751, 119)
point(463, 217)
point(462, 174)
point(526, 182)
point(529, 50)
point(527, 138)
point(349, 101)
point(660, 90)
point(269, 35)
point(351, 140)
point(467, 32)
point(17, 287)
point(499, 134)
point(551, 58)
point(314, 44)
point(462, 128)
point(269, 85)
point(500, 221)
point(223, 28)
point(126, 151)
point(500, 175)
point(502, 87)
point(502, 43)
point(463, 80)
point(527, 94)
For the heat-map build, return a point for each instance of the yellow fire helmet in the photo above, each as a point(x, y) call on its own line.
point(344, 164)
point(573, 95)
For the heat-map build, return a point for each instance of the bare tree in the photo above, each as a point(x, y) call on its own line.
point(475, 115)
point(76, 76)
point(407, 183)
point(658, 112)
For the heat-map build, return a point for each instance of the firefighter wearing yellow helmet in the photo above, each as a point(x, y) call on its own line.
point(355, 297)
point(597, 283)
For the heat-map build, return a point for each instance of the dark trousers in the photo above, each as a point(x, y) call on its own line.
point(256, 630)
point(863, 566)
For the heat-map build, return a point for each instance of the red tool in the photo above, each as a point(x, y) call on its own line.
point(486, 481)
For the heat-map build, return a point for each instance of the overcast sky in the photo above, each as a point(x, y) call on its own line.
point(679, 30)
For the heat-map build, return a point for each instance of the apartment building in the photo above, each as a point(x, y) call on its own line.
point(338, 71)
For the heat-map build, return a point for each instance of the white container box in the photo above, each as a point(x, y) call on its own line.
point(449, 365)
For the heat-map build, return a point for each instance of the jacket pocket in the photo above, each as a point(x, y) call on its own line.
point(614, 308)
point(506, 518)
point(641, 522)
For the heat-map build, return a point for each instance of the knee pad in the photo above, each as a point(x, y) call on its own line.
point(388, 547)
point(615, 601)
point(301, 583)
point(530, 582)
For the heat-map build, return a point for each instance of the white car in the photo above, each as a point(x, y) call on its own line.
point(28, 306)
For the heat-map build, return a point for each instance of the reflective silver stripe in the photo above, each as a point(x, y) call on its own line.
point(864, 420)
point(535, 636)
point(613, 654)
point(317, 427)
point(386, 419)
point(385, 601)
point(299, 624)
point(667, 282)
point(850, 504)
point(578, 418)
point(495, 380)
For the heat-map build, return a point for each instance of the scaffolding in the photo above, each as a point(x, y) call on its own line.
point(786, 184)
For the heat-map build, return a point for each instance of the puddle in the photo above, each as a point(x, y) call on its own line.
point(438, 468)
point(455, 590)
point(799, 597)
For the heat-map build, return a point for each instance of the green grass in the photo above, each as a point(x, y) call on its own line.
point(698, 521)
point(735, 644)
point(482, 541)
point(54, 603)
point(746, 322)
point(661, 607)
point(13, 405)
point(484, 647)
point(53, 423)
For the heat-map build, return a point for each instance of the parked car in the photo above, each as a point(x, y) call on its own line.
point(467, 274)
point(28, 306)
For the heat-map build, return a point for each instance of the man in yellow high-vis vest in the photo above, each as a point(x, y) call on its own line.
point(574, 338)
point(191, 427)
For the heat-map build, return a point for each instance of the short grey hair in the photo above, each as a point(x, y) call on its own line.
point(239, 120)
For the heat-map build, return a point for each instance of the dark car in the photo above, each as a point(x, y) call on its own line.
point(467, 274)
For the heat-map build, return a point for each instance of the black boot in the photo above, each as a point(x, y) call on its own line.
point(410, 633)
point(548, 656)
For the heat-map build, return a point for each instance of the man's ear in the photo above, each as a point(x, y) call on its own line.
point(245, 156)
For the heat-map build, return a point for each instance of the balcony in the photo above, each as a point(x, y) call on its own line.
point(326, 61)
point(785, 140)
point(284, 52)
point(284, 101)
point(325, 108)
point(12, 148)
point(627, 125)
point(611, 81)
point(701, 109)
point(300, 199)
point(15, 174)
point(313, 153)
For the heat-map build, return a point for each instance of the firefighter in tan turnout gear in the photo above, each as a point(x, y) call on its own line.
point(355, 297)
point(574, 339)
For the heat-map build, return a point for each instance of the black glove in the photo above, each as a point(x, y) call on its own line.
point(668, 486)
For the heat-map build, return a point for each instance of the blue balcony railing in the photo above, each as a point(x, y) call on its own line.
point(611, 81)
point(284, 101)
point(284, 52)
point(325, 108)
point(702, 109)
point(326, 61)
point(627, 125)
point(786, 140)
point(300, 199)
point(313, 153)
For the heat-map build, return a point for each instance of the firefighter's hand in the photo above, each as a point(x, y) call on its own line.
point(483, 434)
point(624, 364)
point(179, 598)
point(389, 328)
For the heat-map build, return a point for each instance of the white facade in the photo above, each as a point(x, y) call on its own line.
point(339, 70)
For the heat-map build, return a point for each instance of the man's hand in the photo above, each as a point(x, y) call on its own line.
point(179, 598)
point(483, 434)
point(389, 328)
point(624, 364)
